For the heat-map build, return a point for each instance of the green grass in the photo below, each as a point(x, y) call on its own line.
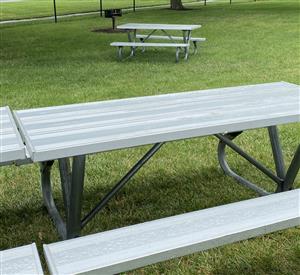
point(39, 8)
point(46, 64)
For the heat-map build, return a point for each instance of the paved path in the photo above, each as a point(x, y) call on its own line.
point(7, 1)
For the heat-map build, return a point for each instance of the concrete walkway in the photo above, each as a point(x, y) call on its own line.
point(8, 1)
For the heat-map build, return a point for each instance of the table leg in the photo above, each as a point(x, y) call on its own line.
point(120, 50)
point(129, 36)
point(292, 171)
point(186, 40)
point(72, 190)
point(45, 169)
point(277, 154)
point(75, 197)
point(177, 54)
point(283, 181)
point(132, 38)
point(226, 140)
point(195, 47)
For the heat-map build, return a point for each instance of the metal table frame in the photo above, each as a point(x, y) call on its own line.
point(72, 180)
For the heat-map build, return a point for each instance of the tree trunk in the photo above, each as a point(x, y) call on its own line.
point(176, 5)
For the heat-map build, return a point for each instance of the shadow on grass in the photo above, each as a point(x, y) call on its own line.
point(161, 195)
point(145, 197)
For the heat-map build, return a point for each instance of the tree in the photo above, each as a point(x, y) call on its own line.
point(176, 5)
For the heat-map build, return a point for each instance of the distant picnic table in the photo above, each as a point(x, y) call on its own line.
point(185, 39)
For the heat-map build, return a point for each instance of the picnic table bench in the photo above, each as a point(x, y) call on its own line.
point(194, 40)
point(123, 249)
point(21, 260)
point(185, 40)
point(134, 45)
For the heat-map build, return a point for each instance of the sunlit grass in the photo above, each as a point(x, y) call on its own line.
point(46, 64)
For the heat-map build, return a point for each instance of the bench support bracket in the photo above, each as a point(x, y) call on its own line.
point(284, 181)
point(118, 186)
point(72, 181)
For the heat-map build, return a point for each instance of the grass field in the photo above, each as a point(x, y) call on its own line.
point(39, 8)
point(46, 64)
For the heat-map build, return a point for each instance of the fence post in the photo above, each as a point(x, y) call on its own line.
point(54, 8)
point(133, 5)
point(101, 7)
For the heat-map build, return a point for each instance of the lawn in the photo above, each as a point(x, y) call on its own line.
point(45, 64)
point(39, 8)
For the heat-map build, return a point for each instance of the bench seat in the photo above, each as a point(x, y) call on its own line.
point(141, 44)
point(194, 40)
point(138, 245)
point(21, 260)
point(164, 37)
point(134, 45)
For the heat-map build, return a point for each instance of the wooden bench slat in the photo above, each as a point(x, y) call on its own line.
point(138, 245)
point(21, 260)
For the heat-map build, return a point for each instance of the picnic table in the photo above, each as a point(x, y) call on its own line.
point(44, 135)
point(133, 28)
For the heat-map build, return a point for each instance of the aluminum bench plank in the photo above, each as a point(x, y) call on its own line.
point(11, 144)
point(77, 129)
point(21, 260)
point(146, 44)
point(164, 37)
point(138, 245)
point(142, 26)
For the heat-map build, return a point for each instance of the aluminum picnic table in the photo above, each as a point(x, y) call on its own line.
point(186, 30)
point(44, 135)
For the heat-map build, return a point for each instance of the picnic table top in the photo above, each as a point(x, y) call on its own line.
point(142, 26)
point(11, 144)
point(77, 129)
